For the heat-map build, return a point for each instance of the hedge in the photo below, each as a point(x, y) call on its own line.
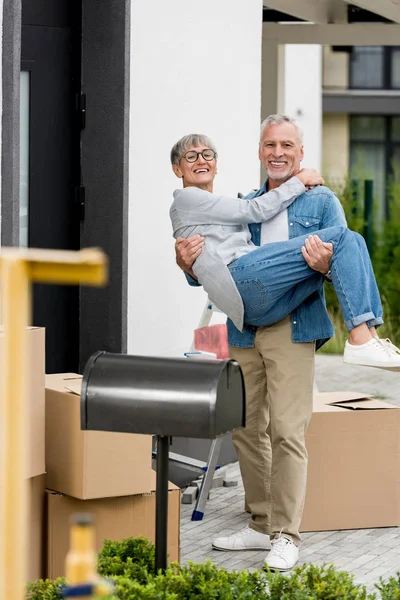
point(130, 565)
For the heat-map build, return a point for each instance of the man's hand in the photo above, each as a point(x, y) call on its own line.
point(187, 250)
point(317, 253)
point(310, 178)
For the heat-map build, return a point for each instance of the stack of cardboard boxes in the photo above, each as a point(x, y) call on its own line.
point(106, 474)
point(69, 471)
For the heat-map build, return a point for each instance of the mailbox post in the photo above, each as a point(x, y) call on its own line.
point(162, 501)
point(166, 397)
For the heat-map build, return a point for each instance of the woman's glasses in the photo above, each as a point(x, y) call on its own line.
point(192, 155)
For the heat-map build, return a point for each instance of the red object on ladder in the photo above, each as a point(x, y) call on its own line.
point(213, 338)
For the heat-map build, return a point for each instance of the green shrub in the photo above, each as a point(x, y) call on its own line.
point(311, 582)
point(128, 589)
point(132, 557)
point(390, 589)
point(206, 581)
point(122, 561)
point(385, 260)
point(196, 581)
point(45, 589)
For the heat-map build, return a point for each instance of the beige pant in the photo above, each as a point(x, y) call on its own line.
point(279, 377)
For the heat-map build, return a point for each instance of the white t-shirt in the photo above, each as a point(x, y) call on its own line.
point(276, 229)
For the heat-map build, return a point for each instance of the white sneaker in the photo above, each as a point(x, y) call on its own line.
point(245, 539)
point(283, 556)
point(386, 342)
point(375, 353)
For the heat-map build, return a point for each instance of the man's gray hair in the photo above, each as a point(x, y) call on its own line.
point(186, 142)
point(278, 120)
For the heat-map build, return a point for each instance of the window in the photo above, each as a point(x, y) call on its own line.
point(375, 68)
point(395, 68)
point(375, 154)
point(366, 67)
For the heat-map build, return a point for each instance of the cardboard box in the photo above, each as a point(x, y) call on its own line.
point(353, 447)
point(115, 519)
point(35, 337)
point(90, 464)
point(35, 545)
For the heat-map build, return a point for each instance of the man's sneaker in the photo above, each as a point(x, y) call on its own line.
point(245, 539)
point(375, 353)
point(283, 556)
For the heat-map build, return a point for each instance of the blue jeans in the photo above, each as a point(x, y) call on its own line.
point(275, 279)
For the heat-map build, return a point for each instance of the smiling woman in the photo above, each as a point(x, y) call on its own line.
point(194, 160)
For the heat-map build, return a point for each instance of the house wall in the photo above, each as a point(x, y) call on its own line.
point(192, 70)
point(303, 96)
point(335, 148)
point(292, 84)
point(335, 70)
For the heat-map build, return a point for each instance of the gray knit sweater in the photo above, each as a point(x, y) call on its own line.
point(223, 222)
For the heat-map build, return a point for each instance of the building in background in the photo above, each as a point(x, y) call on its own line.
point(361, 116)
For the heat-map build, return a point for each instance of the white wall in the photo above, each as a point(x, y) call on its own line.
point(303, 96)
point(195, 67)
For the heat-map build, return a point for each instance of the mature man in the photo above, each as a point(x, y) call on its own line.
point(278, 362)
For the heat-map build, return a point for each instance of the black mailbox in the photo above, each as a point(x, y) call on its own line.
point(163, 396)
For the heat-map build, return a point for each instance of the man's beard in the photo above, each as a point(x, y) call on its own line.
point(284, 176)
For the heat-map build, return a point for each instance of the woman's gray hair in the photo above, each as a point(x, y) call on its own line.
point(278, 120)
point(186, 142)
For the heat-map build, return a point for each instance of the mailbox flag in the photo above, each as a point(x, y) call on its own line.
point(213, 338)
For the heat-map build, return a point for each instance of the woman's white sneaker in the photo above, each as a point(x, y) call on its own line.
point(375, 353)
point(283, 556)
point(386, 342)
point(245, 539)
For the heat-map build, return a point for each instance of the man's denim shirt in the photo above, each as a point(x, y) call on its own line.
point(316, 209)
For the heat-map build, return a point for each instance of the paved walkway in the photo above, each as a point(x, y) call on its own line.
point(367, 553)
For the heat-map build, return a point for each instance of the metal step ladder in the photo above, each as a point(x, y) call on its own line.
point(207, 469)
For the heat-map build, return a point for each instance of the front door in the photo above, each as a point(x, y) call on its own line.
point(50, 162)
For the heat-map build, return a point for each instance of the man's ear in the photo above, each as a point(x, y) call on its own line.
point(259, 152)
point(177, 170)
point(301, 153)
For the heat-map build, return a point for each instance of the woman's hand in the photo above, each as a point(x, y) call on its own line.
point(310, 178)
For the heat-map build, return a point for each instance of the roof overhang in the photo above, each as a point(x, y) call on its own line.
point(355, 34)
point(334, 11)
